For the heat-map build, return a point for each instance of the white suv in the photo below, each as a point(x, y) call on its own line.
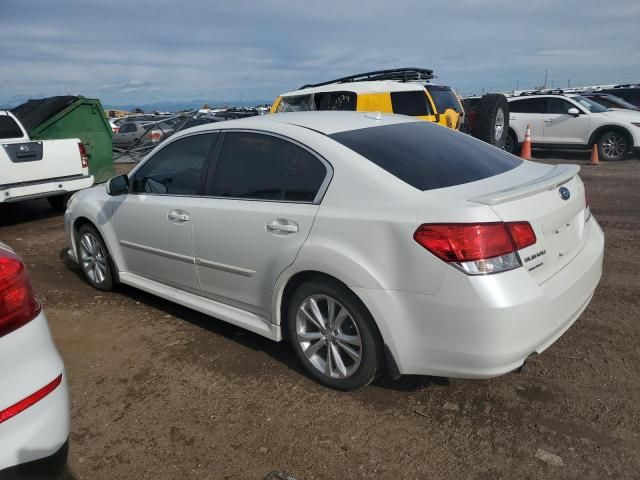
point(572, 121)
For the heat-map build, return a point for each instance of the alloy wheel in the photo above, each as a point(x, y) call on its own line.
point(499, 125)
point(614, 147)
point(93, 259)
point(328, 336)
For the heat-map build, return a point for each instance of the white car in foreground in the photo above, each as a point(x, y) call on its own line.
point(34, 403)
point(369, 241)
point(570, 121)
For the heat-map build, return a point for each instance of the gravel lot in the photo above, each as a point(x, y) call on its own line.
point(162, 392)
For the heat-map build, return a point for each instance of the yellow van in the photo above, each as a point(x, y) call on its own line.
point(404, 91)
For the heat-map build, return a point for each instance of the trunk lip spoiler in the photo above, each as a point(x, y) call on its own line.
point(554, 178)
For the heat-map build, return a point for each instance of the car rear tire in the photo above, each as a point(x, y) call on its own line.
point(492, 119)
point(612, 145)
point(58, 203)
point(94, 258)
point(334, 335)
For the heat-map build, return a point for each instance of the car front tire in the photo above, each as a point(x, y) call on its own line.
point(612, 145)
point(334, 335)
point(94, 258)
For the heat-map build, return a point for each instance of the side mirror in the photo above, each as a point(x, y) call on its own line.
point(118, 185)
point(573, 111)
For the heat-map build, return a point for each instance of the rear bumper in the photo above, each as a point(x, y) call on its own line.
point(482, 327)
point(28, 362)
point(46, 468)
point(46, 188)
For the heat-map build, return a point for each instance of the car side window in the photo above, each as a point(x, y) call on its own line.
point(177, 169)
point(9, 128)
point(528, 105)
point(127, 128)
point(558, 106)
point(335, 101)
point(252, 166)
point(410, 103)
point(306, 176)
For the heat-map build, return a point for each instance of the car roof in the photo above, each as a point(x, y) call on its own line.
point(324, 122)
point(374, 86)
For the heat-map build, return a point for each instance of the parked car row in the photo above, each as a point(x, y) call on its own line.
point(568, 121)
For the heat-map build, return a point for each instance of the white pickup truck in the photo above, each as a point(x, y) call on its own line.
point(43, 168)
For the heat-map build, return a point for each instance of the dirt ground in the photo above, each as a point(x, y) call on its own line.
point(162, 392)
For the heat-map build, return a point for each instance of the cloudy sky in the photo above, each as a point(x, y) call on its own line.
point(146, 51)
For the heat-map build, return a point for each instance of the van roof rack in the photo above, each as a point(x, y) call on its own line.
point(406, 74)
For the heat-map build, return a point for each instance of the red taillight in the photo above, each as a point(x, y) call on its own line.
point(35, 397)
point(84, 158)
point(116, 129)
point(154, 136)
point(18, 304)
point(474, 243)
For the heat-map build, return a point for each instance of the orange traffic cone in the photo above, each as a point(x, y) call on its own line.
point(595, 159)
point(525, 153)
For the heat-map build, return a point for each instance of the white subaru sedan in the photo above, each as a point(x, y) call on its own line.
point(372, 243)
point(34, 403)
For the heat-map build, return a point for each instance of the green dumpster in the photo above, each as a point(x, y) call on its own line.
point(72, 117)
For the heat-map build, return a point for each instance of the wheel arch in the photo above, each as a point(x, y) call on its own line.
point(75, 229)
point(618, 128)
point(295, 280)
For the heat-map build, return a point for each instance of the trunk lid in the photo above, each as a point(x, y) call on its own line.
point(553, 201)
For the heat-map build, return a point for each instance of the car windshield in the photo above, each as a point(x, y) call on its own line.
point(616, 102)
point(427, 156)
point(590, 105)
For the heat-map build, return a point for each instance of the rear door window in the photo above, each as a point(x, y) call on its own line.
point(427, 156)
point(252, 166)
point(9, 128)
point(528, 105)
point(335, 101)
point(305, 178)
point(414, 104)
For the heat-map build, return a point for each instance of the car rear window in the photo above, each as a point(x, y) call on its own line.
point(9, 128)
point(413, 104)
point(427, 156)
point(444, 98)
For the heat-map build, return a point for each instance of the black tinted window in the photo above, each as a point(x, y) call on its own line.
point(252, 166)
point(127, 128)
point(335, 101)
point(528, 105)
point(558, 106)
point(9, 128)
point(305, 177)
point(444, 98)
point(177, 169)
point(427, 156)
point(410, 103)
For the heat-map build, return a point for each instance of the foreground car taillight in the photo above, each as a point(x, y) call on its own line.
point(32, 399)
point(477, 248)
point(84, 158)
point(18, 304)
